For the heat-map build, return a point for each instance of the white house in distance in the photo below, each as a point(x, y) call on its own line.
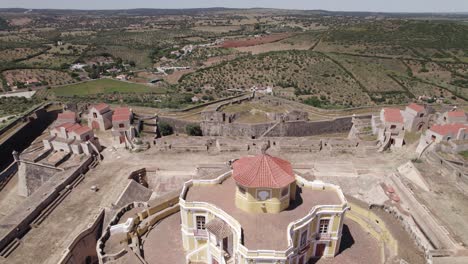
point(72, 138)
point(100, 117)
point(262, 90)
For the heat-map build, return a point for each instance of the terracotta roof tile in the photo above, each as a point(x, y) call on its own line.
point(416, 107)
point(393, 115)
point(81, 130)
point(457, 113)
point(64, 125)
point(66, 115)
point(73, 127)
point(219, 228)
point(121, 117)
point(263, 171)
point(122, 110)
point(100, 107)
point(447, 129)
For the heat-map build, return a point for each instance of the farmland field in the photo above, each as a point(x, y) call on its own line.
point(103, 86)
point(325, 59)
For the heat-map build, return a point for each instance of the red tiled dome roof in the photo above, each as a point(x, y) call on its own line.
point(263, 171)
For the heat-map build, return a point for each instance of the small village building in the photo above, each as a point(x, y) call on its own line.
point(72, 138)
point(262, 90)
point(100, 117)
point(392, 123)
point(77, 66)
point(452, 117)
point(416, 117)
point(389, 127)
point(261, 212)
point(66, 117)
point(123, 130)
point(439, 133)
point(121, 77)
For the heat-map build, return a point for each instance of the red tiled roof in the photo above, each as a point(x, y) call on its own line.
point(263, 171)
point(100, 106)
point(81, 130)
point(66, 115)
point(393, 115)
point(121, 114)
point(447, 129)
point(122, 110)
point(121, 117)
point(457, 113)
point(73, 127)
point(416, 107)
point(67, 126)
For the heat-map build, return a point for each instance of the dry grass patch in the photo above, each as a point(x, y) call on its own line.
point(52, 77)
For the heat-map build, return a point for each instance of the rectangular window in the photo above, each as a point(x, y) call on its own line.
point(94, 115)
point(392, 126)
point(200, 222)
point(323, 227)
point(121, 125)
point(241, 189)
point(303, 238)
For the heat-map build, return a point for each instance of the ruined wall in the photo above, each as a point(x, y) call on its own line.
point(234, 129)
point(83, 247)
point(303, 129)
point(177, 125)
point(282, 129)
point(25, 135)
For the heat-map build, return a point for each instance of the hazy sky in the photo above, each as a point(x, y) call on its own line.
point(333, 5)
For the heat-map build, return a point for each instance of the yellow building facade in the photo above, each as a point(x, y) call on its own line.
point(260, 212)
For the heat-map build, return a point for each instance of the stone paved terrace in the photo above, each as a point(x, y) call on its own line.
point(262, 231)
point(163, 244)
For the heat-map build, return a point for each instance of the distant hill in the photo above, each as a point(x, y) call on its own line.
point(194, 11)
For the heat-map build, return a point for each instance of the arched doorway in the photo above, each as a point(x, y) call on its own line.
point(95, 125)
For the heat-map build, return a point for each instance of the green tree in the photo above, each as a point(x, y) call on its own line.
point(165, 129)
point(194, 130)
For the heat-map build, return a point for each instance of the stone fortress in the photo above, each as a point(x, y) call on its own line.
point(130, 195)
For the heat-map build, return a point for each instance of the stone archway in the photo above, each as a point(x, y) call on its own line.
point(420, 126)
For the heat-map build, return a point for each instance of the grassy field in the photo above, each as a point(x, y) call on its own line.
point(104, 86)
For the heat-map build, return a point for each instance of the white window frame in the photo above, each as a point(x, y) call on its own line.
point(263, 190)
point(319, 230)
point(196, 221)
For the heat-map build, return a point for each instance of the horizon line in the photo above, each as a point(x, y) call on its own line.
point(243, 8)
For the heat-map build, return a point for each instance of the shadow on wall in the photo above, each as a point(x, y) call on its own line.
point(347, 240)
point(298, 200)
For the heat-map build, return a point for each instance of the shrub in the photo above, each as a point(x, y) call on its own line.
point(194, 130)
point(165, 129)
